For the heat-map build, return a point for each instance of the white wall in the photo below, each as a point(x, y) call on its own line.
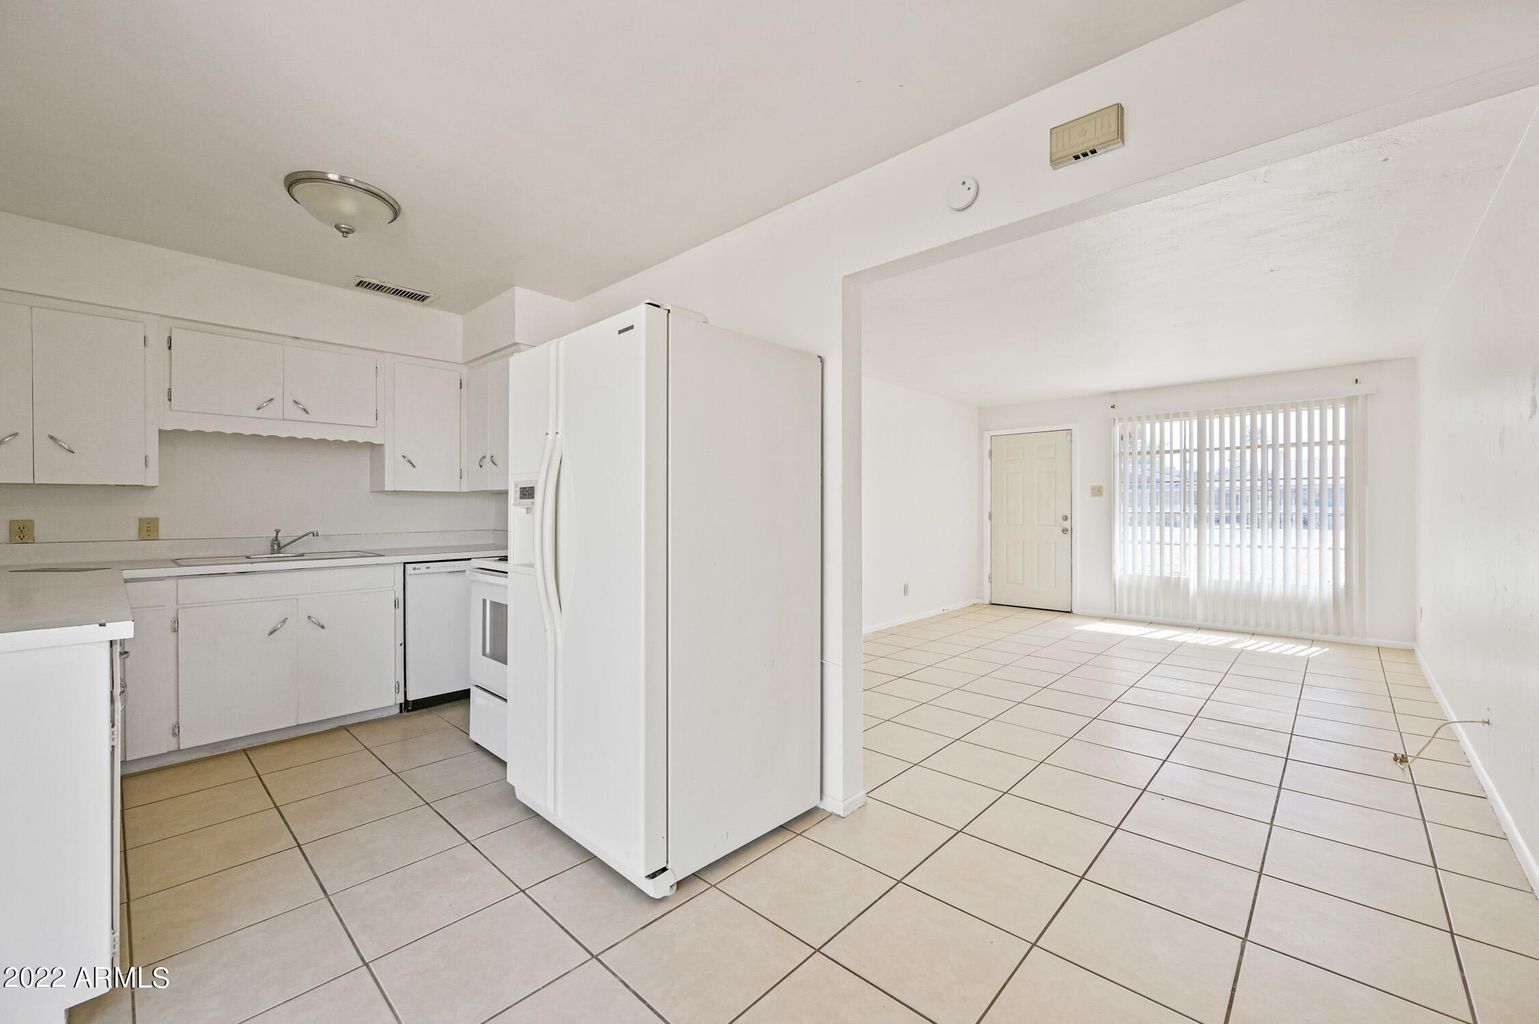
point(919, 509)
point(1478, 542)
point(518, 316)
point(1218, 97)
point(66, 263)
point(1388, 432)
point(230, 485)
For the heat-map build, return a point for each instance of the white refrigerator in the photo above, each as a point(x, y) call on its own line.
point(664, 654)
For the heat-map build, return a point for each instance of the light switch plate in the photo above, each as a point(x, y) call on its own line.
point(149, 527)
point(1097, 491)
point(20, 532)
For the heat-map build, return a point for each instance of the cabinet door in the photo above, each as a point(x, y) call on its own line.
point(149, 712)
point(529, 383)
point(426, 428)
point(224, 375)
point(15, 394)
point(329, 387)
point(346, 657)
point(477, 430)
point(235, 669)
point(87, 399)
point(496, 478)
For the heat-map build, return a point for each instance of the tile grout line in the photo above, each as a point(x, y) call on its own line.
point(1083, 876)
point(326, 895)
point(1266, 848)
point(1437, 874)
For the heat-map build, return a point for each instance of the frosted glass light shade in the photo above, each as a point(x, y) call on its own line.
point(346, 204)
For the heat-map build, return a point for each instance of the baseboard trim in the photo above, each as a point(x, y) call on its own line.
point(843, 806)
point(878, 627)
point(1520, 847)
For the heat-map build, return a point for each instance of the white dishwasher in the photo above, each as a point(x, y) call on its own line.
point(437, 613)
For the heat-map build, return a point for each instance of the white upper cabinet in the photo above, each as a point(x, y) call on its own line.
point(486, 431)
point(226, 375)
point(15, 394)
point(422, 437)
point(528, 411)
point(240, 382)
point(88, 399)
point(324, 386)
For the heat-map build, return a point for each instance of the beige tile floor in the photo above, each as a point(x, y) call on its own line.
point(1070, 820)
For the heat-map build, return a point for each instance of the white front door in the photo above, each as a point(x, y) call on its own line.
point(1030, 486)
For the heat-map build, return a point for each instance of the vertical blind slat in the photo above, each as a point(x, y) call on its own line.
point(1243, 517)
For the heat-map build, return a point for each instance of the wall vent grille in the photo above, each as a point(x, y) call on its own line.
point(394, 291)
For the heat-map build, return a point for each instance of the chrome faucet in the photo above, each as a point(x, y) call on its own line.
point(277, 546)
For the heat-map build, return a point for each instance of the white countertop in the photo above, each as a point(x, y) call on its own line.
point(53, 609)
point(56, 609)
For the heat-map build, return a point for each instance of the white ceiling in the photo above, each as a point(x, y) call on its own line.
point(559, 146)
point(1334, 257)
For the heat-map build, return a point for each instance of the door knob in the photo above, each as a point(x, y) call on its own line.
point(1064, 530)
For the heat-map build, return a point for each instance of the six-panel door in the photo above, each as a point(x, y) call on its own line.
point(87, 399)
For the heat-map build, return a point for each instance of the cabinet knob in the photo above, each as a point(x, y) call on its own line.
point(493, 458)
point(61, 444)
point(300, 406)
point(264, 404)
point(281, 623)
point(409, 462)
point(8, 438)
point(481, 464)
point(315, 621)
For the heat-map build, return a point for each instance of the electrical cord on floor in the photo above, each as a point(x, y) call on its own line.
point(1404, 760)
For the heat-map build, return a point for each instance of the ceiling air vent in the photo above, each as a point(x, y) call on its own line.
point(395, 291)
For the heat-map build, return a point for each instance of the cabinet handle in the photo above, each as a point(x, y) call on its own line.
point(409, 462)
point(482, 463)
point(281, 623)
point(315, 621)
point(264, 404)
point(8, 438)
point(493, 458)
point(61, 444)
point(300, 406)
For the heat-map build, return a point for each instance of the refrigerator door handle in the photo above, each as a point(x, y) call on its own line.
point(538, 511)
point(549, 529)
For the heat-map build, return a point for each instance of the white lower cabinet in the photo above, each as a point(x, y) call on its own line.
point(235, 664)
point(346, 657)
point(149, 706)
point(264, 651)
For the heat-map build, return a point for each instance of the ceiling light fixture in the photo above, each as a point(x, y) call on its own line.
point(347, 204)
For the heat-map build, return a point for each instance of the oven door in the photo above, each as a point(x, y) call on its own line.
point(489, 631)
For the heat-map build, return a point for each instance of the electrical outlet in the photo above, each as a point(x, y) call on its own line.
point(1097, 491)
point(20, 532)
point(149, 527)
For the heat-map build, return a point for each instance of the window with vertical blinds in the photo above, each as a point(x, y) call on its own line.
point(1243, 518)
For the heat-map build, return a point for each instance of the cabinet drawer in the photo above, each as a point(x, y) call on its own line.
point(489, 721)
point(252, 586)
point(151, 593)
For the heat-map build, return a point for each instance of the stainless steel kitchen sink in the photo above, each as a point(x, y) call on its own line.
point(296, 556)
